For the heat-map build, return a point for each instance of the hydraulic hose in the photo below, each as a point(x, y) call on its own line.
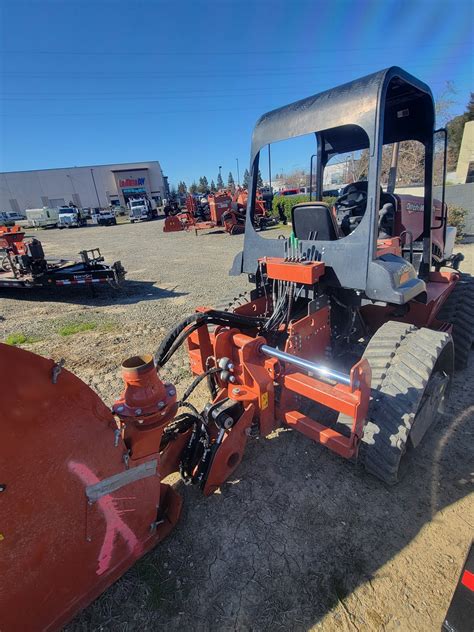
point(185, 327)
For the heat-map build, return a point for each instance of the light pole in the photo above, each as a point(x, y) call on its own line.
point(269, 168)
point(238, 172)
point(95, 187)
point(72, 185)
point(311, 177)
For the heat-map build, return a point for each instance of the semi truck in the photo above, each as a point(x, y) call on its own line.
point(71, 217)
point(141, 209)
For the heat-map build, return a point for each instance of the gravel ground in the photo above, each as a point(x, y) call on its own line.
point(299, 539)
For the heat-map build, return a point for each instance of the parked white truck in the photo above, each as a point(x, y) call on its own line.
point(42, 217)
point(141, 209)
point(71, 217)
point(104, 217)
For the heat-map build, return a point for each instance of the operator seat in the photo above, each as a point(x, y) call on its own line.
point(314, 221)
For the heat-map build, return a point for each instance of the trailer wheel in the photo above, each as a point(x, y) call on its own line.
point(6, 265)
point(458, 310)
point(411, 369)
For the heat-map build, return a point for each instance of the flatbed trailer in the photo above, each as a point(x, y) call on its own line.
point(23, 265)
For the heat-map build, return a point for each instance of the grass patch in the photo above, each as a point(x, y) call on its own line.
point(20, 339)
point(75, 328)
point(107, 327)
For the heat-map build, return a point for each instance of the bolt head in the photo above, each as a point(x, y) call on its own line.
point(231, 379)
point(161, 404)
point(120, 409)
point(235, 391)
point(171, 392)
point(230, 366)
point(138, 411)
point(228, 423)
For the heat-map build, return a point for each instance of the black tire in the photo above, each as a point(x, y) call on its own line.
point(410, 373)
point(458, 310)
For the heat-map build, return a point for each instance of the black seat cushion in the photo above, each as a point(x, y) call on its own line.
point(315, 221)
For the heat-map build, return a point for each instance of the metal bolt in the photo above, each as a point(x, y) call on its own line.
point(138, 411)
point(232, 378)
point(161, 404)
point(3, 487)
point(230, 366)
point(171, 392)
point(120, 409)
point(228, 422)
point(235, 391)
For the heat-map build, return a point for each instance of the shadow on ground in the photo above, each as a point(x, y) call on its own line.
point(295, 532)
point(131, 291)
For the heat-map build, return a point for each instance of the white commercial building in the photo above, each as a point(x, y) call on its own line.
point(86, 187)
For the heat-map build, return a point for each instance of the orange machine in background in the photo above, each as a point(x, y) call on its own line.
point(223, 209)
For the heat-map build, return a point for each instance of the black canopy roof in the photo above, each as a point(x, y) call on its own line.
point(348, 116)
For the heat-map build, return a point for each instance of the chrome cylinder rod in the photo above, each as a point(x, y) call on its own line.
point(306, 365)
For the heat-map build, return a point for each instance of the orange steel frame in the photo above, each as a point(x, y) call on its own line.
point(271, 391)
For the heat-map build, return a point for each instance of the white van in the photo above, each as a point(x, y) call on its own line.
point(42, 217)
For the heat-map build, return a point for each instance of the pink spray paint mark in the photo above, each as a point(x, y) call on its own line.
point(113, 520)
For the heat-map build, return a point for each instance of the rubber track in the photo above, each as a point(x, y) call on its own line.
point(458, 310)
point(402, 359)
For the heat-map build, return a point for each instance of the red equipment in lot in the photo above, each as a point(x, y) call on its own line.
point(223, 210)
point(23, 264)
point(349, 336)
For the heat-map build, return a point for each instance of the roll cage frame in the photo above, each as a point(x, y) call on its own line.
point(385, 107)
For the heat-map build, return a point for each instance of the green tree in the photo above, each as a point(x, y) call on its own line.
point(246, 180)
point(220, 181)
point(203, 185)
point(259, 180)
point(193, 188)
point(230, 181)
point(213, 186)
point(182, 188)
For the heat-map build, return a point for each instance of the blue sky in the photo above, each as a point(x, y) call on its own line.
point(183, 82)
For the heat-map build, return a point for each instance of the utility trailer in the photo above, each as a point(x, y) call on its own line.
point(24, 265)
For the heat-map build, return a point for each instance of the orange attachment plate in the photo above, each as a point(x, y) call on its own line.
point(306, 272)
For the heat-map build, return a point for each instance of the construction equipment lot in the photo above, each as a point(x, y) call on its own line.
point(298, 539)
